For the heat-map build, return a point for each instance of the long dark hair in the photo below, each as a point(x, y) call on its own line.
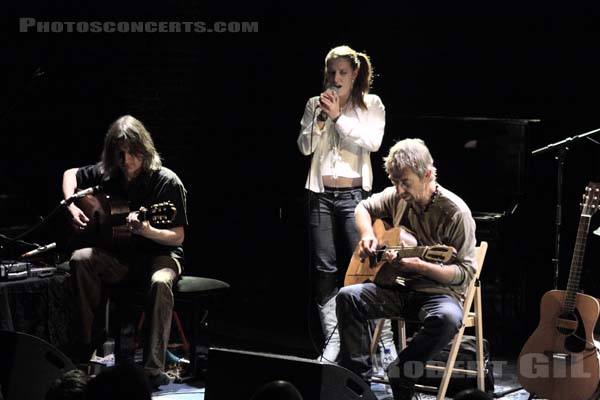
point(364, 79)
point(131, 131)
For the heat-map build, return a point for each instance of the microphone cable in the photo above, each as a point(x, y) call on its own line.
point(42, 221)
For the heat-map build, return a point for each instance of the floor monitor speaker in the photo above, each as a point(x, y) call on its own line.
point(29, 365)
point(242, 375)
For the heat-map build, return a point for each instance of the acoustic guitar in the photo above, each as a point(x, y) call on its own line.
point(560, 361)
point(386, 274)
point(107, 226)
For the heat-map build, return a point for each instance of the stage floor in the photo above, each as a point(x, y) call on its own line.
point(505, 377)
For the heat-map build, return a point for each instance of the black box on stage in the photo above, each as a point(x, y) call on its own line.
point(239, 375)
point(13, 270)
point(10, 270)
point(29, 365)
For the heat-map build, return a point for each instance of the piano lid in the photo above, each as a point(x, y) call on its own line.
point(483, 160)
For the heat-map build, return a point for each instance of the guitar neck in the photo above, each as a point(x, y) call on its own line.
point(577, 263)
point(160, 214)
point(404, 252)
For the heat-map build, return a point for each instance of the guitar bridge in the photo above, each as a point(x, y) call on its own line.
point(566, 357)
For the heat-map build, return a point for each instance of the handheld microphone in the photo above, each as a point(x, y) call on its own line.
point(323, 115)
point(39, 250)
point(81, 194)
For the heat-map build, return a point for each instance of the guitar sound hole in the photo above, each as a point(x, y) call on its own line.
point(379, 255)
point(567, 323)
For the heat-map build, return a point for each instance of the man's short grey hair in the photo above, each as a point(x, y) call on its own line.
point(409, 153)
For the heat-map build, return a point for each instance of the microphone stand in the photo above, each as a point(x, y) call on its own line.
point(8, 239)
point(63, 203)
point(34, 227)
point(561, 148)
point(37, 73)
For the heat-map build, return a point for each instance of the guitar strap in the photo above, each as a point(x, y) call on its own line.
point(400, 213)
point(405, 222)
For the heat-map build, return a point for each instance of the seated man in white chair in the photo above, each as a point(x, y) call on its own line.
point(432, 293)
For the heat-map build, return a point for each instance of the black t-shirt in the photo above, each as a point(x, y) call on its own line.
point(149, 188)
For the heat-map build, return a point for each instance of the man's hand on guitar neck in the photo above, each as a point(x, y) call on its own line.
point(136, 226)
point(166, 236)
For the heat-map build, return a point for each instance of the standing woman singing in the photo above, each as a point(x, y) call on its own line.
point(340, 128)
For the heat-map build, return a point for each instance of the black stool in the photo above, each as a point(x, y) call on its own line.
point(195, 295)
point(192, 294)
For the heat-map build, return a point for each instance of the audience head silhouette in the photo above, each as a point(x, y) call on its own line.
point(125, 381)
point(70, 386)
point(277, 390)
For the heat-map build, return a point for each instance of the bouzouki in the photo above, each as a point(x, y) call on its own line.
point(560, 361)
point(386, 274)
point(107, 225)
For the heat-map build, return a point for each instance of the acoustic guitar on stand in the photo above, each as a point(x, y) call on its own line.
point(386, 274)
point(107, 226)
point(560, 360)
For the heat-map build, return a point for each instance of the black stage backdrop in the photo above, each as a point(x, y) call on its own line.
point(224, 110)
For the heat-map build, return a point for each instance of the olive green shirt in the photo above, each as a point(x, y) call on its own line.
point(447, 221)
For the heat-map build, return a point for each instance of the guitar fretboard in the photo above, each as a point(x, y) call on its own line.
point(404, 252)
point(576, 264)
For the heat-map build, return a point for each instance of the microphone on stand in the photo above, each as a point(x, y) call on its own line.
point(80, 194)
point(323, 115)
point(39, 250)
